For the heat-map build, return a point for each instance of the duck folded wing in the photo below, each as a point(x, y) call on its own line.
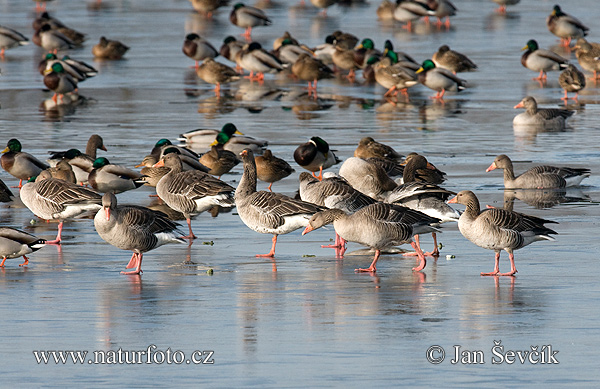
point(121, 171)
point(411, 189)
point(517, 221)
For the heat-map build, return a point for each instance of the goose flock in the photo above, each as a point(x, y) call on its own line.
point(380, 198)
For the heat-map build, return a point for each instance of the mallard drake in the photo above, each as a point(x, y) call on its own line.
point(344, 40)
point(377, 226)
point(421, 170)
point(571, 80)
point(234, 143)
point(288, 52)
point(541, 60)
point(268, 212)
point(131, 227)
point(564, 26)
point(207, 7)
point(80, 71)
point(50, 198)
point(219, 160)
point(15, 243)
point(191, 192)
point(370, 148)
point(503, 3)
point(271, 169)
point(364, 51)
point(20, 164)
point(315, 155)
point(82, 164)
point(398, 56)
point(441, 9)
point(207, 136)
point(109, 49)
point(286, 36)
point(63, 171)
point(216, 73)
point(311, 69)
point(59, 81)
point(10, 38)
point(543, 117)
point(75, 36)
point(498, 229)
point(248, 17)
point(82, 67)
point(323, 5)
point(588, 56)
point(161, 146)
point(538, 177)
point(324, 51)
point(230, 48)
point(197, 48)
point(52, 40)
point(407, 11)
point(439, 79)
point(453, 60)
point(394, 77)
point(106, 177)
point(255, 59)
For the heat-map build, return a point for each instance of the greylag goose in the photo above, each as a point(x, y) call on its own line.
point(370, 148)
point(219, 160)
point(452, 60)
point(422, 170)
point(315, 155)
point(6, 195)
point(131, 227)
point(498, 229)
point(52, 198)
point(63, 171)
point(20, 164)
point(15, 243)
point(268, 212)
point(564, 26)
point(191, 192)
point(366, 177)
point(271, 169)
point(106, 177)
point(541, 60)
point(542, 117)
point(333, 192)
point(377, 226)
point(571, 80)
point(538, 177)
point(422, 196)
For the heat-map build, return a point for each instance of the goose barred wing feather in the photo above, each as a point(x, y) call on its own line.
point(396, 214)
point(58, 193)
point(151, 222)
point(551, 113)
point(517, 221)
point(195, 185)
point(564, 172)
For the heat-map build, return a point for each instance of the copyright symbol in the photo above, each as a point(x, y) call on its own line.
point(435, 354)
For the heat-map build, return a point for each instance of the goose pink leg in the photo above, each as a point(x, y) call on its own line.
point(134, 262)
point(271, 253)
point(58, 236)
point(371, 268)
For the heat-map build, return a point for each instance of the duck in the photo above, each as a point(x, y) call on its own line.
point(163, 144)
point(216, 73)
point(248, 17)
point(82, 67)
point(399, 56)
point(323, 5)
point(135, 228)
point(20, 164)
point(439, 79)
point(453, 60)
point(219, 160)
point(503, 4)
point(364, 51)
point(538, 177)
point(394, 77)
point(268, 212)
point(588, 56)
point(231, 138)
point(40, 5)
point(230, 48)
point(385, 10)
point(311, 69)
point(198, 49)
point(422, 171)
point(151, 174)
point(286, 36)
point(407, 11)
point(52, 40)
point(6, 195)
point(377, 226)
point(106, 177)
point(191, 192)
point(324, 51)
point(541, 60)
point(344, 40)
point(15, 243)
point(289, 52)
point(254, 58)
point(345, 59)
point(571, 80)
point(564, 26)
point(499, 229)
point(10, 38)
point(542, 117)
point(207, 7)
point(370, 148)
point(315, 155)
point(109, 49)
point(59, 81)
point(51, 198)
point(271, 169)
point(73, 68)
point(63, 171)
point(81, 163)
point(74, 36)
point(366, 177)
point(441, 9)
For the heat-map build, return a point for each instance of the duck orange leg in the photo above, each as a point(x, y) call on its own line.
point(271, 253)
point(3, 260)
point(25, 263)
point(371, 268)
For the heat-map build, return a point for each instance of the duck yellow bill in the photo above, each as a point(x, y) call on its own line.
point(6, 150)
point(524, 48)
point(238, 132)
point(420, 70)
point(47, 71)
